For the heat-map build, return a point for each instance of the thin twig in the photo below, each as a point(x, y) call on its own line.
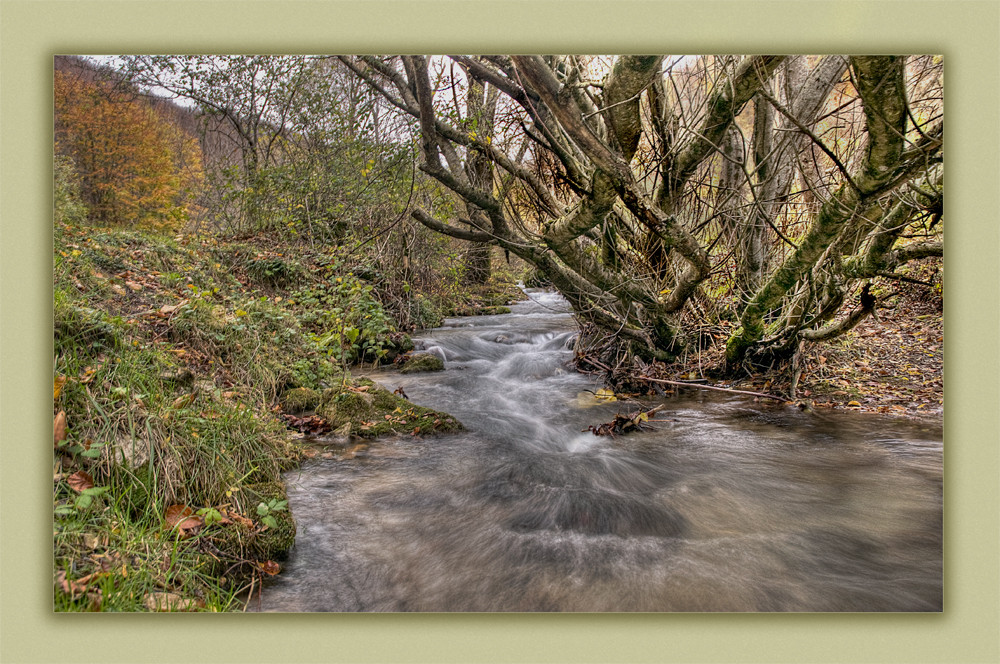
point(713, 387)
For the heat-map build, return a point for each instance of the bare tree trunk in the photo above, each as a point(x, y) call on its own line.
point(481, 108)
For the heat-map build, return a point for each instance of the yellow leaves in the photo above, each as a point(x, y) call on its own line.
point(57, 385)
point(137, 162)
point(605, 394)
point(853, 404)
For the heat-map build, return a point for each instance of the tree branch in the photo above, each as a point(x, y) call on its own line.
point(441, 227)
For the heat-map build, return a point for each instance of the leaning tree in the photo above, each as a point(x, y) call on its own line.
point(655, 192)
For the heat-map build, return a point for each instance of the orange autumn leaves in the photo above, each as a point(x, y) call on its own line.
point(134, 166)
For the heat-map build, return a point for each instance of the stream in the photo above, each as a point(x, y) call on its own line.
point(723, 504)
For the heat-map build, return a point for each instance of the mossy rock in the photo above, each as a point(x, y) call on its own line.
point(422, 362)
point(299, 400)
point(340, 406)
point(374, 411)
point(394, 414)
point(396, 344)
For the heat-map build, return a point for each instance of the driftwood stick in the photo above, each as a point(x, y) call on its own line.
point(699, 386)
point(596, 363)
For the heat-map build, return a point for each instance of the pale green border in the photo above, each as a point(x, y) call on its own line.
point(966, 32)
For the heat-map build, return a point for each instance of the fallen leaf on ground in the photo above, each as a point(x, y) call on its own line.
point(80, 481)
point(79, 586)
point(270, 567)
point(59, 427)
point(57, 386)
point(183, 518)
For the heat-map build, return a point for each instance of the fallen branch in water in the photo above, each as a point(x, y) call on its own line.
point(700, 386)
point(623, 424)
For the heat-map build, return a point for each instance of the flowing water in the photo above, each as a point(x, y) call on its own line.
point(728, 505)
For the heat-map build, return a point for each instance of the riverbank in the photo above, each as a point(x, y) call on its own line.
point(892, 364)
point(172, 358)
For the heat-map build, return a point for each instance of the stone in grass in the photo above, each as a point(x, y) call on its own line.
point(422, 362)
point(299, 400)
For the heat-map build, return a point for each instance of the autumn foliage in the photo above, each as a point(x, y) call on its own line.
point(135, 168)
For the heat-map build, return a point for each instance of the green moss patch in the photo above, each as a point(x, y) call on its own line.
point(422, 362)
point(367, 410)
point(299, 400)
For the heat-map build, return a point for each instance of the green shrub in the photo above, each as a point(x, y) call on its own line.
point(346, 319)
point(424, 314)
point(273, 272)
